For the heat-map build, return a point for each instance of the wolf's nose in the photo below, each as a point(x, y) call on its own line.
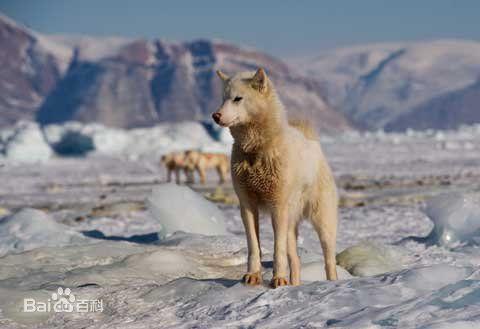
point(216, 117)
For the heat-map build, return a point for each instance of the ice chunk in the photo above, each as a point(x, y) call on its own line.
point(168, 137)
point(456, 219)
point(111, 141)
point(367, 259)
point(30, 228)
point(54, 132)
point(26, 143)
point(178, 208)
point(315, 271)
point(75, 138)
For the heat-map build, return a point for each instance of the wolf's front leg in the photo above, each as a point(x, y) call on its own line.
point(249, 213)
point(280, 232)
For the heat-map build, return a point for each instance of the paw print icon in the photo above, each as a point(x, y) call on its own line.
point(63, 300)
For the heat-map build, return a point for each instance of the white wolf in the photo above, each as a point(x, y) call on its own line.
point(278, 166)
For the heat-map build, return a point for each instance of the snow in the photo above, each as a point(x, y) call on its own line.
point(178, 208)
point(30, 228)
point(25, 143)
point(97, 237)
point(315, 271)
point(139, 142)
point(62, 54)
point(368, 259)
point(456, 219)
point(92, 48)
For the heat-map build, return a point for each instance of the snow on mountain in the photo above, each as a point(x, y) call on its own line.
point(31, 65)
point(92, 48)
point(376, 84)
point(128, 83)
point(446, 111)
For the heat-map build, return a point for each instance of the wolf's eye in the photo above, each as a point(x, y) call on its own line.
point(237, 99)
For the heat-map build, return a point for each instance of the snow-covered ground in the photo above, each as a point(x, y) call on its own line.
point(96, 224)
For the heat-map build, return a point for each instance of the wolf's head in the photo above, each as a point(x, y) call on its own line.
point(247, 97)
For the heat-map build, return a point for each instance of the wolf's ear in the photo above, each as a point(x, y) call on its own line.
point(223, 76)
point(259, 80)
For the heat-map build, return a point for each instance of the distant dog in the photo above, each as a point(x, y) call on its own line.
point(201, 162)
point(280, 167)
point(175, 163)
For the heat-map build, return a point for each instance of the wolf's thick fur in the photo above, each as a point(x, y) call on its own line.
point(201, 162)
point(280, 167)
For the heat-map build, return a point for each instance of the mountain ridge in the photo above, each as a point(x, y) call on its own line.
point(400, 77)
point(126, 82)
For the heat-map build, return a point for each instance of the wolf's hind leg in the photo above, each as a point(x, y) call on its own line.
point(293, 259)
point(324, 220)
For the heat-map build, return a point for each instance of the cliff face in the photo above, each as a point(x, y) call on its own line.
point(140, 83)
point(130, 83)
point(30, 69)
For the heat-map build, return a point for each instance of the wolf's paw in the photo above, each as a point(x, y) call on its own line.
point(278, 282)
point(252, 279)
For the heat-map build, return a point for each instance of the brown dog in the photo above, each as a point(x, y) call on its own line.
point(201, 162)
point(280, 167)
point(175, 163)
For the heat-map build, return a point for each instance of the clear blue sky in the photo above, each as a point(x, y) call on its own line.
point(285, 28)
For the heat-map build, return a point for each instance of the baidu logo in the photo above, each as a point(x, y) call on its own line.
point(63, 301)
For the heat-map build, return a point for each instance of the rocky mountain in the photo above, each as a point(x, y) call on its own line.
point(130, 83)
point(395, 86)
point(30, 68)
point(447, 111)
